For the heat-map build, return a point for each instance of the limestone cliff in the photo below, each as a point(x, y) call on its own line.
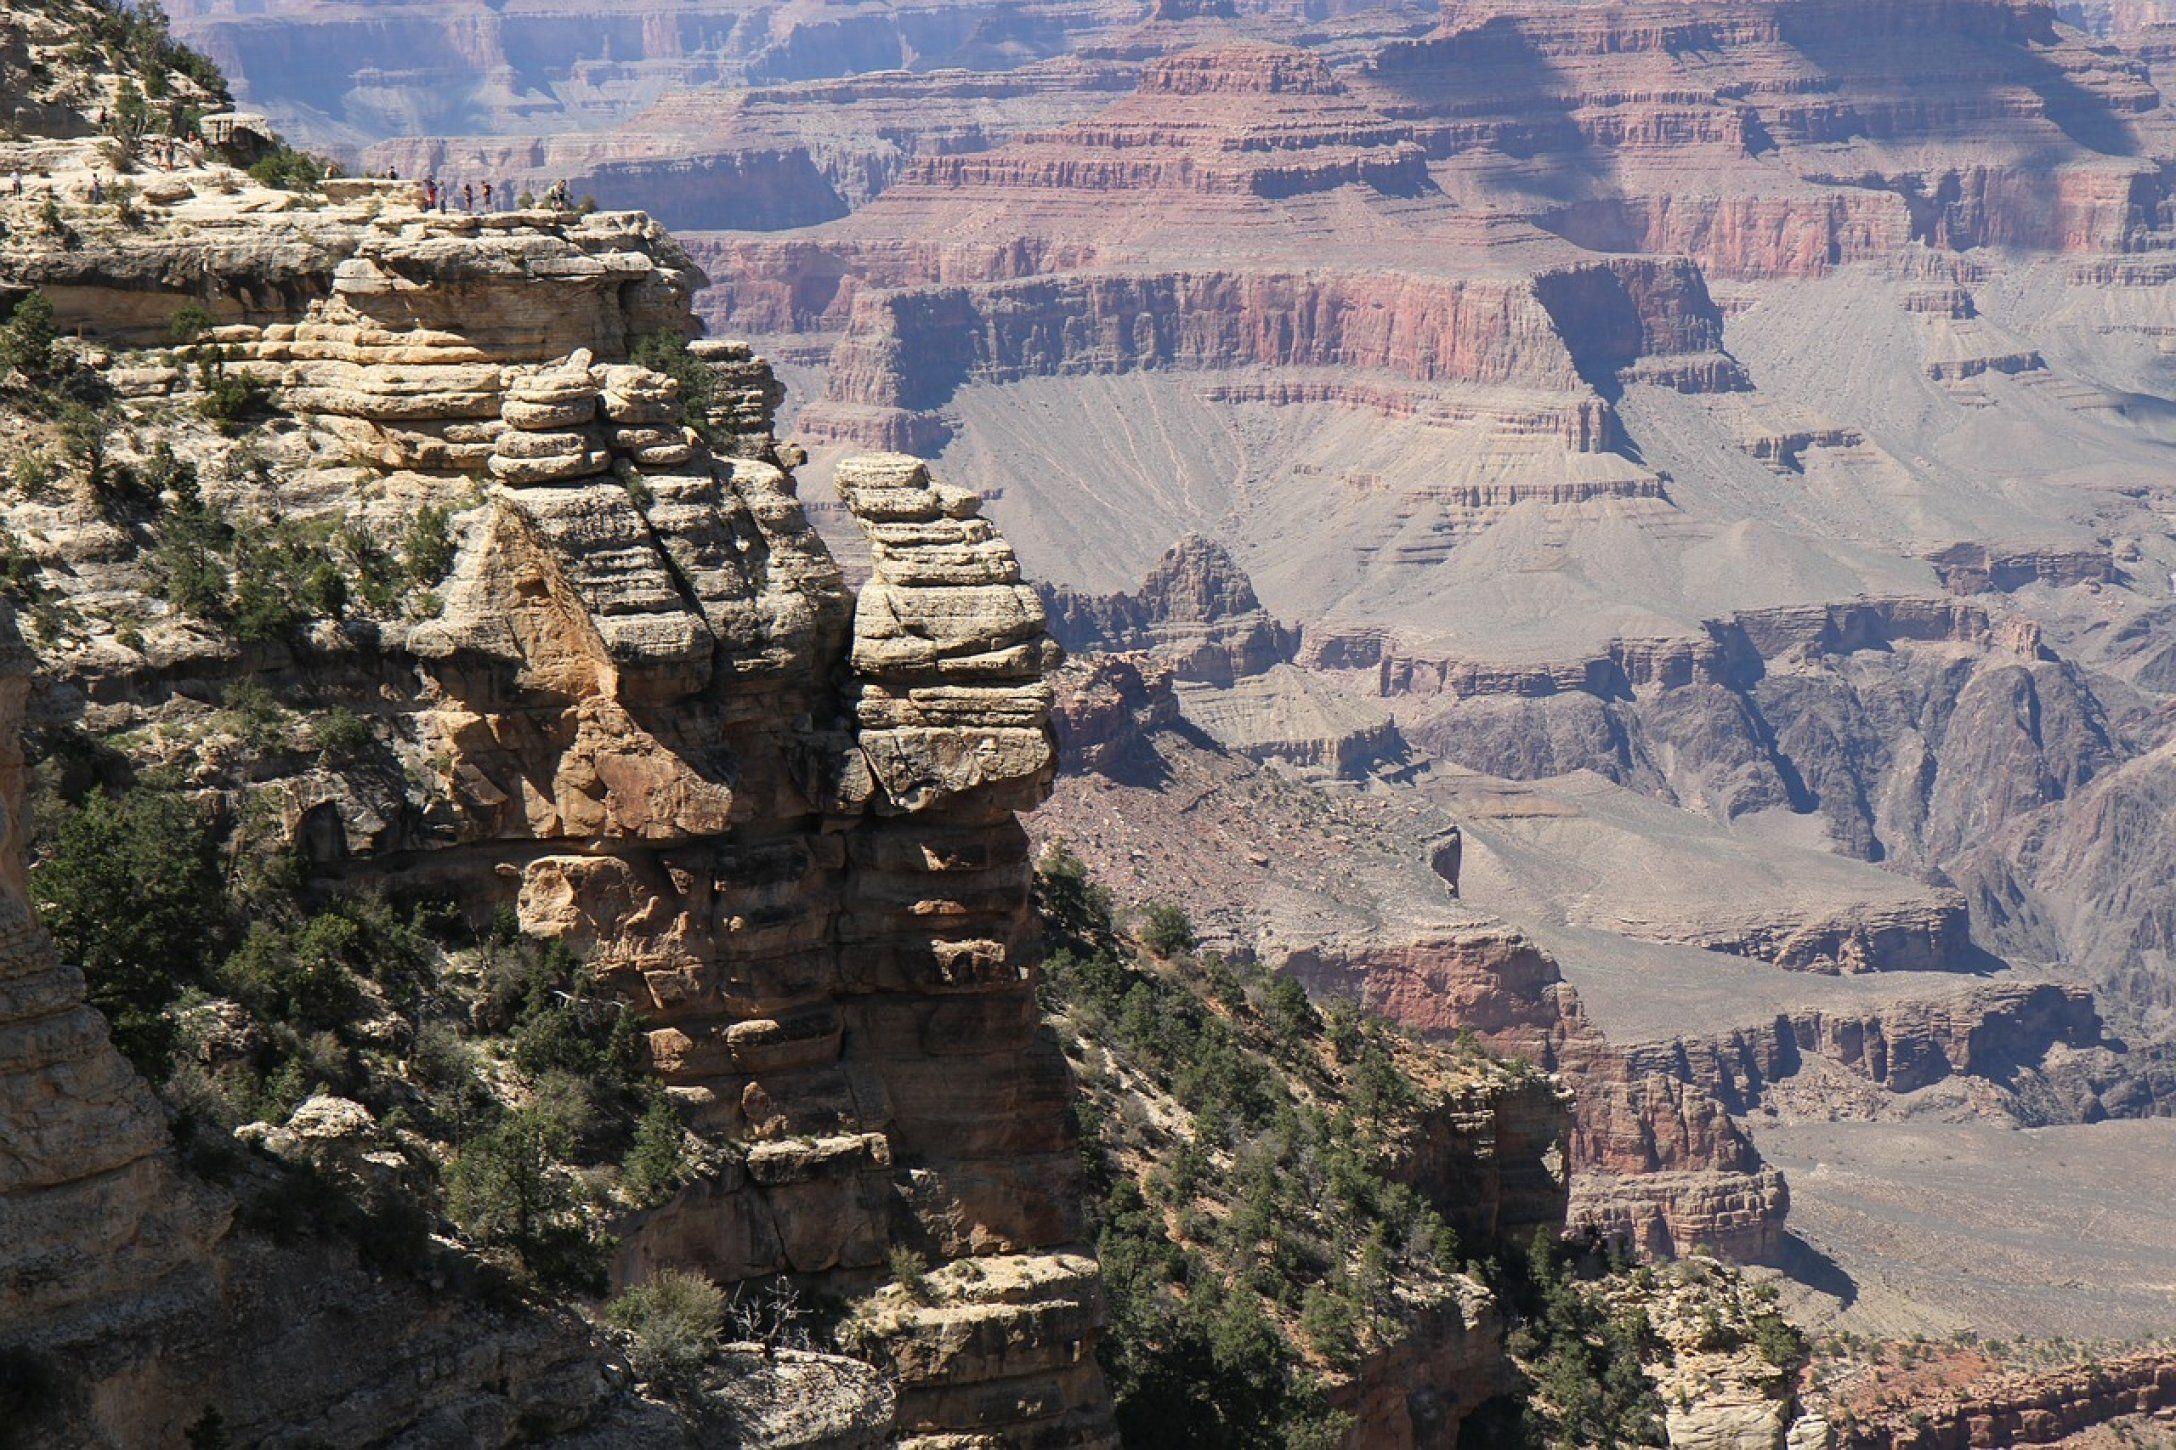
point(636, 709)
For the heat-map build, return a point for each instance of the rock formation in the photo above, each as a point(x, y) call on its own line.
point(1197, 610)
point(1711, 458)
point(642, 713)
point(1987, 1032)
point(1343, 895)
point(2023, 1409)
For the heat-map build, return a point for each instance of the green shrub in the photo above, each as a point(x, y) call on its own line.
point(234, 402)
point(546, 999)
point(657, 1164)
point(140, 38)
point(1205, 1305)
point(674, 1320)
point(188, 324)
point(85, 437)
point(1291, 1018)
point(255, 714)
point(130, 888)
point(1332, 1325)
point(502, 1189)
point(341, 733)
point(22, 578)
point(299, 978)
point(1168, 931)
point(427, 548)
point(191, 560)
point(1585, 1363)
point(910, 1271)
point(287, 169)
point(1779, 1341)
point(1075, 910)
point(283, 579)
point(30, 474)
point(667, 353)
point(27, 340)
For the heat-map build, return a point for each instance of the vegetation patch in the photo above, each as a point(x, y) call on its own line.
point(1238, 1143)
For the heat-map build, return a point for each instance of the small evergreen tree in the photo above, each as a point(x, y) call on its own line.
point(668, 353)
point(657, 1163)
point(130, 889)
point(501, 1188)
point(1168, 930)
point(28, 339)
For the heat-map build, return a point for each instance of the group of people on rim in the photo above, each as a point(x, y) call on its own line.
point(442, 197)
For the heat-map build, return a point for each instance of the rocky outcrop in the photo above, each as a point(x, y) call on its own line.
point(359, 289)
point(640, 712)
point(1491, 1160)
point(824, 930)
point(1106, 706)
point(1977, 569)
point(1197, 611)
point(1988, 1032)
point(1419, 1391)
point(2027, 1409)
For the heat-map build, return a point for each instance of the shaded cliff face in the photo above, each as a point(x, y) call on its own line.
point(639, 715)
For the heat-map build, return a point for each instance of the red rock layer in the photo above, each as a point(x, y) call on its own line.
point(2040, 1409)
point(1985, 1031)
point(1656, 1161)
point(906, 351)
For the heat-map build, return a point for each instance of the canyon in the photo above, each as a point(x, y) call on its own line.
point(1634, 538)
point(624, 712)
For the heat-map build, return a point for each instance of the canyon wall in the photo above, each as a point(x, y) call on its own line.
point(644, 715)
point(2043, 1408)
point(1649, 1157)
point(1988, 1032)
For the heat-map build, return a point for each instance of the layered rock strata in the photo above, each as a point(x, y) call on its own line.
point(823, 928)
point(641, 710)
point(2035, 1409)
point(1197, 611)
point(1983, 1031)
point(1349, 898)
